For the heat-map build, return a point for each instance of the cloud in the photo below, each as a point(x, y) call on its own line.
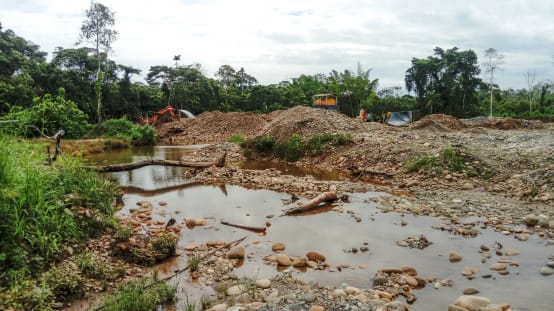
point(276, 41)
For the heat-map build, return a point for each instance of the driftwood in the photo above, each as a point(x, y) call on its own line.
point(251, 228)
point(323, 197)
point(159, 191)
point(131, 166)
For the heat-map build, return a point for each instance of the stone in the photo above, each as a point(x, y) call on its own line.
point(454, 257)
point(263, 283)
point(471, 291)
point(468, 186)
point(498, 266)
point(551, 224)
point(311, 264)
point(411, 281)
point(316, 308)
point(277, 247)
point(471, 302)
point(456, 308)
point(546, 271)
point(283, 260)
point(511, 252)
point(350, 290)
point(543, 221)
point(299, 262)
point(315, 256)
point(531, 220)
point(236, 252)
point(307, 297)
point(236, 290)
point(409, 270)
point(219, 307)
point(493, 307)
point(550, 264)
point(339, 292)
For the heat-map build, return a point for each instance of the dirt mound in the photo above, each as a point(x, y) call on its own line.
point(439, 122)
point(507, 124)
point(213, 126)
point(307, 121)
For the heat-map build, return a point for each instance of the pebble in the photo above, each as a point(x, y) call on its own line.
point(283, 260)
point(471, 302)
point(315, 256)
point(277, 247)
point(471, 291)
point(307, 297)
point(498, 266)
point(263, 283)
point(550, 264)
point(454, 257)
point(316, 308)
point(236, 252)
point(546, 271)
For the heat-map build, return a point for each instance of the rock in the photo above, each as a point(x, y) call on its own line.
point(551, 224)
point(511, 252)
point(299, 262)
point(543, 221)
point(350, 290)
point(236, 290)
point(339, 293)
point(456, 308)
point(498, 266)
point(283, 260)
point(494, 307)
point(398, 306)
point(391, 270)
point(550, 264)
point(472, 302)
point(219, 307)
point(263, 283)
point(409, 270)
point(315, 256)
point(546, 271)
point(471, 291)
point(307, 297)
point(311, 264)
point(411, 280)
point(522, 236)
point(531, 220)
point(468, 186)
point(454, 257)
point(236, 252)
point(277, 247)
point(316, 308)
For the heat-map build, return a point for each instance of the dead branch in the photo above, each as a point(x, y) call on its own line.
point(251, 228)
point(323, 197)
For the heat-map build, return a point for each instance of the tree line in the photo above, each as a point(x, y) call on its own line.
point(445, 82)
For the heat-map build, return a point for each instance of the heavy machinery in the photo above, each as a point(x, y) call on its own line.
point(172, 114)
point(325, 101)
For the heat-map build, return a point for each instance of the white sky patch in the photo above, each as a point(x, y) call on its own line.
point(279, 40)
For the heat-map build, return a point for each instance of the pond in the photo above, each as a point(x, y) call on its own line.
point(335, 235)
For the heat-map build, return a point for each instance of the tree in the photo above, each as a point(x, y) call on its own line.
point(493, 61)
point(97, 29)
point(446, 82)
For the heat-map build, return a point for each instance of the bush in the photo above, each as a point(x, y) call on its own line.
point(48, 115)
point(236, 139)
point(93, 267)
point(139, 295)
point(291, 150)
point(65, 282)
point(164, 245)
point(125, 130)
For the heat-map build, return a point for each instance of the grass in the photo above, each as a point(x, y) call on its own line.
point(43, 209)
point(237, 139)
point(139, 295)
point(293, 148)
point(194, 263)
point(451, 159)
point(93, 267)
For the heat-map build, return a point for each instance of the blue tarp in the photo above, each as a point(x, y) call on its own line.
point(401, 118)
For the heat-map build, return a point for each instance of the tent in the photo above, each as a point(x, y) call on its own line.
point(401, 118)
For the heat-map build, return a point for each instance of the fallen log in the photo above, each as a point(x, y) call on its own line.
point(323, 197)
point(131, 166)
point(251, 228)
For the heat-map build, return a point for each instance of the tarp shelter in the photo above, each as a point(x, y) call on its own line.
point(326, 101)
point(400, 118)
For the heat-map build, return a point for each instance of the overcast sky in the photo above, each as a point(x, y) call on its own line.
point(282, 39)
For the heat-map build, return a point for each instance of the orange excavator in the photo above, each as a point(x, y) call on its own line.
point(171, 112)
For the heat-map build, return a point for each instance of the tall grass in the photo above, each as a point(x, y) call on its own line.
point(41, 208)
point(139, 295)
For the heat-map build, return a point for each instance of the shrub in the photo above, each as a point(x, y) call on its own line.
point(164, 245)
point(65, 282)
point(48, 115)
point(139, 295)
point(93, 267)
point(236, 139)
point(125, 130)
point(291, 150)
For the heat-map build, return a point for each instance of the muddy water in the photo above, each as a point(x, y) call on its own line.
point(336, 234)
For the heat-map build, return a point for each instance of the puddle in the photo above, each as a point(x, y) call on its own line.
point(334, 235)
point(288, 169)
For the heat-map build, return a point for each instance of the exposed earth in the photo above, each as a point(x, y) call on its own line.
point(493, 170)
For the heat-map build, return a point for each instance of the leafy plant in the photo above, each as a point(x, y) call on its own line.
point(194, 263)
point(93, 267)
point(236, 139)
point(292, 149)
point(165, 245)
point(139, 295)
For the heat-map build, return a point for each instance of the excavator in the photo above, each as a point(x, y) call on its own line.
point(169, 110)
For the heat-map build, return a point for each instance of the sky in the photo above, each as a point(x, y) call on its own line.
point(279, 40)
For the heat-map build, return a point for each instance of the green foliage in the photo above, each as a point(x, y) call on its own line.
point(291, 150)
point(165, 245)
point(261, 144)
point(139, 295)
point(194, 263)
point(64, 282)
point(44, 208)
point(451, 159)
point(236, 139)
point(93, 267)
point(48, 115)
point(125, 130)
point(123, 233)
